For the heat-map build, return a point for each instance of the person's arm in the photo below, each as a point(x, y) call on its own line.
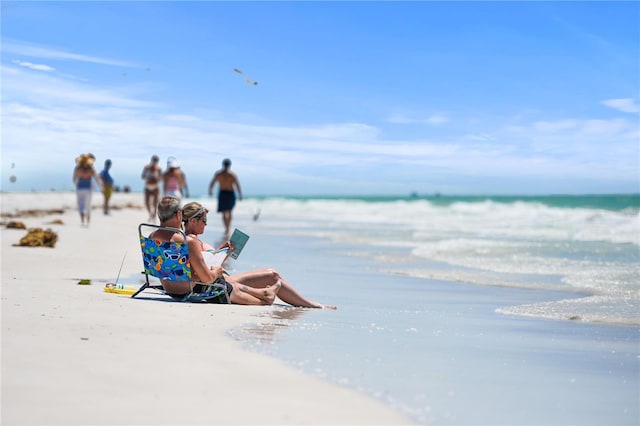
point(226, 244)
point(202, 271)
point(213, 183)
point(144, 173)
point(74, 178)
point(164, 182)
point(237, 182)
point(98, 180)
point(184, 185)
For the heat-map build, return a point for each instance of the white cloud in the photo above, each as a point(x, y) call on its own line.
point(434, 119)
point(554, 126)
point(47, 89)
point(37, 51)
point(61, 118)
point(37, 67)
point(624, 105)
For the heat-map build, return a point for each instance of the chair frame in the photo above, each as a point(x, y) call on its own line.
point(169, 261)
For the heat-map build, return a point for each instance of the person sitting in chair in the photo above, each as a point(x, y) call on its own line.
point(258, 287)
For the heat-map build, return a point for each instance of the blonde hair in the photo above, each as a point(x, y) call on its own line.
point(193, 210)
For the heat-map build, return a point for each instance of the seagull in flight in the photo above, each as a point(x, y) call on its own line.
point(246, 78)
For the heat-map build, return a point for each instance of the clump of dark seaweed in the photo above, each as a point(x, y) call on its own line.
point(37, 237)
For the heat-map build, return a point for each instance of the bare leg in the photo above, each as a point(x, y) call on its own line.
point(151, 201)
point(226, 221)
point(147, 199)
point(154, 203)
point(244, 295)
point(262, 278)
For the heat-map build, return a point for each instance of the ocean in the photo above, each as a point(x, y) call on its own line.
point(459, 310)
point(582, 244)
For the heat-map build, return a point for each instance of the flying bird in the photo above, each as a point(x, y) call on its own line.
point(246, 78)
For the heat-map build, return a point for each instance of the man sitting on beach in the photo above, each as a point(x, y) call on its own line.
point(258, 287)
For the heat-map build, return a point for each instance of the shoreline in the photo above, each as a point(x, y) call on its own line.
point(77, 353)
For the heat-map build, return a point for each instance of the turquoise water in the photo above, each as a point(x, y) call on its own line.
point(588, 245)
point(459, 310)
point(606, 202)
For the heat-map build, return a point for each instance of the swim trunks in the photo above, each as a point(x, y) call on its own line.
point(107, 191)
point(226, 200)
point(199, 288)
point(151, 188)
point(173, 193)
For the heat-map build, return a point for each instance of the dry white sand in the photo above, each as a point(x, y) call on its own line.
point(75, 355)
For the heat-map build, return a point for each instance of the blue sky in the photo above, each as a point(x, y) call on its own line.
point(352, 97)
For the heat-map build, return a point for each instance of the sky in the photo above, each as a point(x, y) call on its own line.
point(352, 98)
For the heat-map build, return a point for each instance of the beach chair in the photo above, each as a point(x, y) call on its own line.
point(170, 261)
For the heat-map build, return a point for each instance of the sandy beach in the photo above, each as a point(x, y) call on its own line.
point(75, 355)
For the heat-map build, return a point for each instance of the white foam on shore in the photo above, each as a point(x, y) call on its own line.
point(520, 244)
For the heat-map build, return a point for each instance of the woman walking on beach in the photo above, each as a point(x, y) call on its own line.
point(258, 287)
point(83, 174)
point(174, 180)
point(152, 173)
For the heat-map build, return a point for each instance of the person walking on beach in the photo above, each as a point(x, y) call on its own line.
point(174, 180)
point(83, 175)
point(228, 184)
point(152, 173)
point(107, 185)
point(258, 287)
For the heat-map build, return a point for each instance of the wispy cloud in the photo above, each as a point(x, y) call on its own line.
point(37, 67)
point(434, 119)
point(45, 52)
point(48, 90)
point(624, 105)
point(44, 109)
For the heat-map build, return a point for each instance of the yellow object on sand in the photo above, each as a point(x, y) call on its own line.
point(127, 289)
point(84, 282)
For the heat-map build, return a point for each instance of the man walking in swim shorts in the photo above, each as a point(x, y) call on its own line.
point(229, 183)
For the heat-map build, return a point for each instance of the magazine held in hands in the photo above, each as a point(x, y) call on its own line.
point(238, 240)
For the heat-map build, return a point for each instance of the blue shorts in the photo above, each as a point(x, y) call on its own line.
point(226, 200)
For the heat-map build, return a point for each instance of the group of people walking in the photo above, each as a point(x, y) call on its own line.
point(83, 175)
point(257, 287)
point(174, 183)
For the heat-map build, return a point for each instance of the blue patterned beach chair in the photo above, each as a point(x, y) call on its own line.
point(169, 261)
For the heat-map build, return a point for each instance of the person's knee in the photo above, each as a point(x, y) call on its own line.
point(275, 275)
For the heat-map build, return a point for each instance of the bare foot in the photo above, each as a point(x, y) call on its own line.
point(271, 291)
point(277, 285)
point(320, 306)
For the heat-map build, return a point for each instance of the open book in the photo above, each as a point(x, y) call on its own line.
point(238, 240)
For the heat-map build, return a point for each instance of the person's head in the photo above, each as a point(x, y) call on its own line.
point(155, 159)
point(194, 212)
point(85, 160)
point(168, 207)
point(226, 163)
point(172, 163)
point(107, 164)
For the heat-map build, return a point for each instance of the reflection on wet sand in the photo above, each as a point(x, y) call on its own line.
point(265, 333)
